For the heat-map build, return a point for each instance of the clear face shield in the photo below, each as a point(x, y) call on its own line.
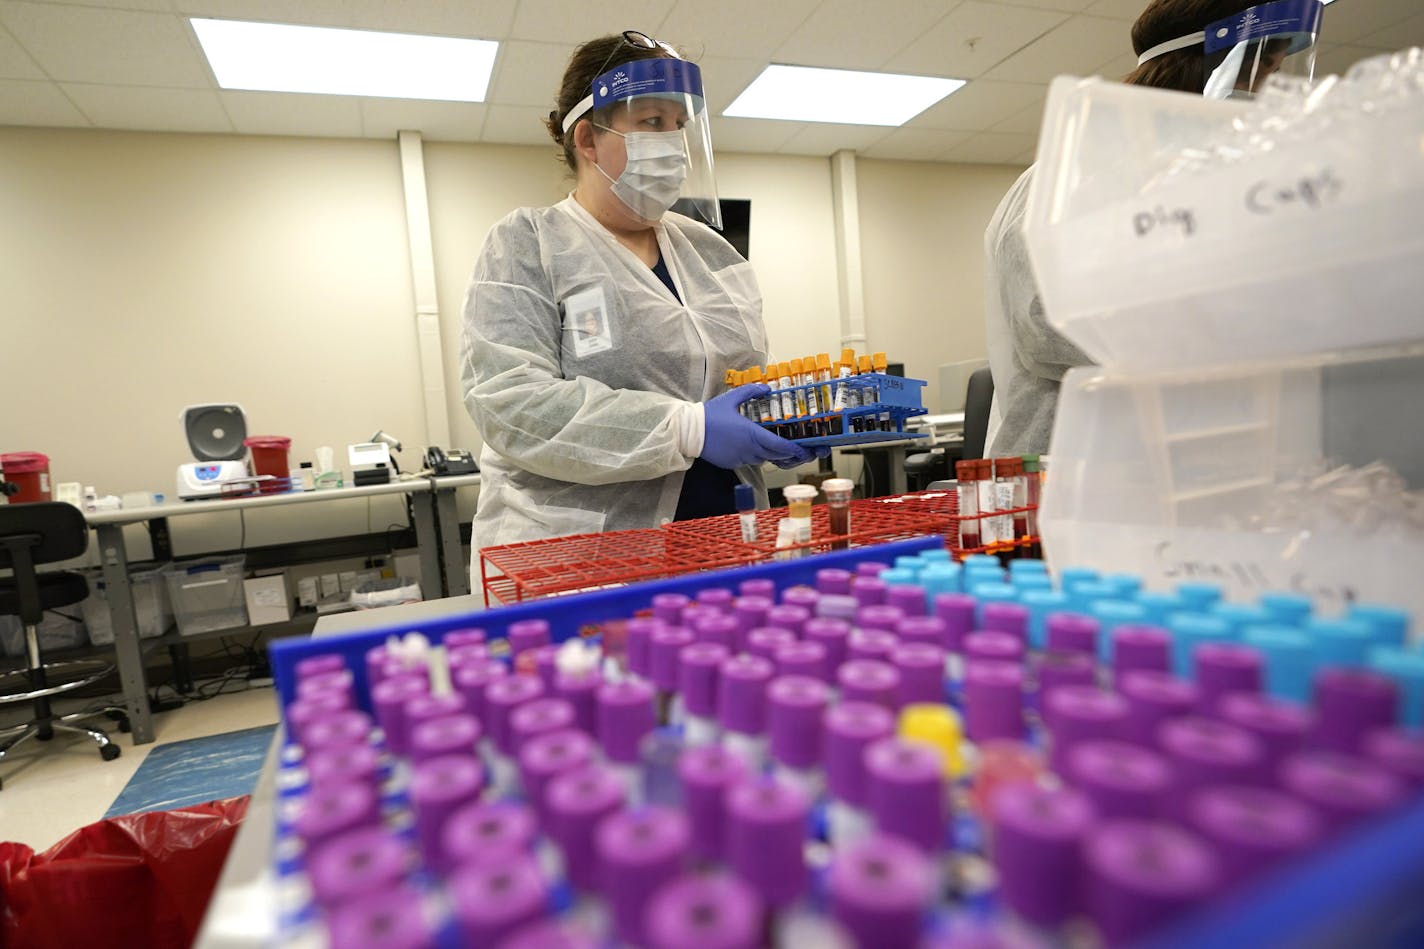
point(1243, 51)
point(657, 106)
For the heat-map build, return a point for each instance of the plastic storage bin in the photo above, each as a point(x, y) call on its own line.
point(1196, 476)
point(55, 632)
point(207, 594)
point(150, 599)
point(1312, 247)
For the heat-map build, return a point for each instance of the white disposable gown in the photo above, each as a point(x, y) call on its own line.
point(585, 423)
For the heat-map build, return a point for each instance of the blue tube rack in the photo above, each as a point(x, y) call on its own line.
point(899, 398)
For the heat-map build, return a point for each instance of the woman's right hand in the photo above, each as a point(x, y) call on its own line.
point(731, 440)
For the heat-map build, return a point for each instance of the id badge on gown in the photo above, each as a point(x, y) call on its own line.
point(586, 315)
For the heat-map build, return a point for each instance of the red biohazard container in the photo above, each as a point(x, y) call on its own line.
point(29, 470)
point(269, 457)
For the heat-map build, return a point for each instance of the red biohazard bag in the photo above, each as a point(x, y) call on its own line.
point(137, 880)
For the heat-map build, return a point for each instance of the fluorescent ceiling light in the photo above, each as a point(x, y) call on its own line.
point(843, 96)
point(276, 57)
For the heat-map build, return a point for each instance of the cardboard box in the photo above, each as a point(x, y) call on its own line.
point(267, 600)
point(330, 585)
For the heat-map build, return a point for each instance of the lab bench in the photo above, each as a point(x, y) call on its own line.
point(443, 567)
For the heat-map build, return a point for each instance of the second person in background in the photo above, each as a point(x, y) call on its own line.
point(598, 331)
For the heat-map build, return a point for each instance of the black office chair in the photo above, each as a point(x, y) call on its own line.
point(32, 534)
point(977, 399)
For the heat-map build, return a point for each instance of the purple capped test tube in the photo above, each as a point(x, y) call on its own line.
point(342, 729)
point(700, 668)
point(576, 802)
point(438, 788)
point(872, 643)
point(718, 598)
point(833, 581)
point(957, 610)
point(1082, 713)
point(581, 691)
point(1154, 697)
point(392, 919)
point(539, 717)
point(375, 660)
point(502, 697)
point(448, 735)
point(327, 813)
point(1010, 618)
point(546, 664)
point(457, 638)
point(625, 715)
point(319, 665)
point(638, 641)
point(339, 682)
point(869, 591)
point(909, 598)
point(930, 630)
point(1122, 780)
point(749, 613)
point(664, 647)
point(722, 629)
point(1037, 849)
point(1252, 829)
point(1207, 752)
point(764, 641)
point(638, 850)
point(805, 658)
point(993, 646)
point(487, 833)
point(882, 617)
point(1399, 751)
point(302, 712)
point(426, 707)
point(993, 700)
point(360, 764)
point(668, 607)
point(796, 706)
point(1142, 875)
point(704, 912)
point(695, 614)
point(400, 667)
point(1351, 702)
point(1141, 647)
point(838, 607)
point(759, 587)
point(870, 568)
point(527, 634)
point(881, 890)
point(788, 617)
point(905, 786)
point(851, 727)
point(766, 829)
point(550, 934)
point(465, 655)
point(472, 680)
point(921, 668)
point(389, 699)
point(834, 635)
point(1072, 632)
point(1345, 790)
point(802, 596)
point(492, 901)
point(706, 773)
point(1282, 726)
point(1057, 669)
point(741, 696)
point(867, 680)
point(1224, 668)
point(547, 756)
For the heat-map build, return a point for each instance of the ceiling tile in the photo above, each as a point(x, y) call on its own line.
point(23, 102)
point(725, 79)
point(980, 105)
point(509, 125)
point(307, 12)
point(1027, 122)
point(1350, 20)
point(852, 34)
point(488, 19)
point(1117, 9)
point(1401, 35)
point(164, 5)
point(751, 135)
point(1119, 68)
point(1065, 6)
point(437, 121)
point(149, 108)
point(907, 144)
point(280, 113)
point(996, 148)
point(558, 21)
point(973, 38)
point(820, 138)
point(89, 45)
point(738, 29)
point(15, 63)
point(529, 74)
point(1079, 47)
point(1338, 59)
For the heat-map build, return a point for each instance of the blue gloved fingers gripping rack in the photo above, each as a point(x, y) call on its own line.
point(892, 400)
point(1364, 887)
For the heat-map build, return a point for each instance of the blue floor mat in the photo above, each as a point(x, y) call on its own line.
point(194, 771)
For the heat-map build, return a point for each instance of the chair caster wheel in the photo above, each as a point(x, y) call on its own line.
point(109, 752)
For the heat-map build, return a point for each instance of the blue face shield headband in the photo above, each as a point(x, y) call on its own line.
point(1241, 51)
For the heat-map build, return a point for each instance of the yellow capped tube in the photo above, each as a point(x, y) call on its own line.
point(939, 727)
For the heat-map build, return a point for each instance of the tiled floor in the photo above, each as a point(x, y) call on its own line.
point(52, 789)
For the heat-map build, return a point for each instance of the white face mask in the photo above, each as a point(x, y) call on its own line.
point(652, 179)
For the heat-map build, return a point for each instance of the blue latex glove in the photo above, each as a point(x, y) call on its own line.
point(731, 440)
point(820, 451)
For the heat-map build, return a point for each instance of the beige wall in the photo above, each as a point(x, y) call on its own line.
point(142, 272)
